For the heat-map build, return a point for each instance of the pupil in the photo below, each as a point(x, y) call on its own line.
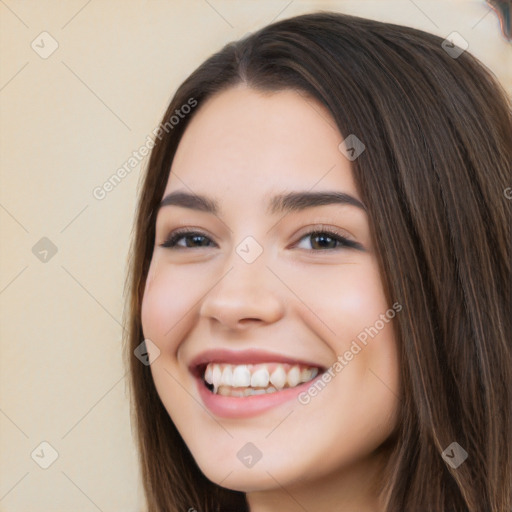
point(323, 238)
point(196, 239)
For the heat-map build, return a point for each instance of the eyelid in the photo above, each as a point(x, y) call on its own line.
point(346, 241)
point(317, 227)
point(185, 231)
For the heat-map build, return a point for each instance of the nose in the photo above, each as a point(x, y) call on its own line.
point(246, 294)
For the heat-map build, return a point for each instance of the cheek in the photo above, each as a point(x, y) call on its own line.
point(166, 304)
point(368, 337)
point(347, 299)
point(351, 302)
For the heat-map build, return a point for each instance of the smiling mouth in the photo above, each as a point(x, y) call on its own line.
point(243, 380)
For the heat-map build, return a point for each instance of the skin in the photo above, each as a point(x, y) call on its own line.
point(298, 299)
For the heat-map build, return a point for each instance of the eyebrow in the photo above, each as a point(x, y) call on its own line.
point(291, 201)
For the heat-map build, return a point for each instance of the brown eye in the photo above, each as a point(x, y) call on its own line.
point(192, 239)
point(329, 240)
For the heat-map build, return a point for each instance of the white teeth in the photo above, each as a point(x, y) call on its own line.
point(241, 377)
point(216, 377)
point(255, 379)
point(259, 378)
point(227, 376)
point(278, 377)
point(245, 392)
point(208, 376)
point(293, 377)
point(224, 391)
point(305, 375)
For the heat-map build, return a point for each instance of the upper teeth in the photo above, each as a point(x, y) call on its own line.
point(258, 375)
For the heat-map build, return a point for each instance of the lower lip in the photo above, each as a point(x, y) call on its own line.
point(245, 407)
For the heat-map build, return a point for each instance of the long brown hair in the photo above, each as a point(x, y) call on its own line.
point(438, 137)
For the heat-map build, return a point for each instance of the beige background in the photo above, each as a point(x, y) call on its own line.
point(68, 122)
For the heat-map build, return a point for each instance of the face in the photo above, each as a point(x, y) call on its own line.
point(279, 305)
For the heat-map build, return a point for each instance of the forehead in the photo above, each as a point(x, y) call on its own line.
point(246, 142)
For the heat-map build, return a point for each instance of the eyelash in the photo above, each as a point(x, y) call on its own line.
point(171, 242)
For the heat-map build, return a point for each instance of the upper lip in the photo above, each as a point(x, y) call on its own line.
point(248, 356)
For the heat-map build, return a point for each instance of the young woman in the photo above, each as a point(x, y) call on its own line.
point(321, 277)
